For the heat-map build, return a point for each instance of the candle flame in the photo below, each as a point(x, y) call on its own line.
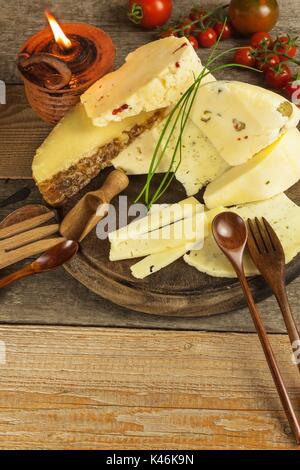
point(60, 37)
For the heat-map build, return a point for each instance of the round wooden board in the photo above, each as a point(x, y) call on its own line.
point(177, 290)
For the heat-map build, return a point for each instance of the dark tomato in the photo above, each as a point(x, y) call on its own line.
point(207, 38)
point(245, 56)
point(261, 40)
point(251, 16)
point(287, 46)
point(194, 42)
point(267, 61)
point(278, 77)
point(150, 14)
point(224, 30)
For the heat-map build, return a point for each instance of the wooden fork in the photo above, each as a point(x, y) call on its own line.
point(267, 253)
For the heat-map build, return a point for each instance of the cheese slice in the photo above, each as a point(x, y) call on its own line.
point(241, 119)
point(284, 217)
point(154, 76)
point(157, 219)
point(200, 161)
point(267, 174)
point(75, 151)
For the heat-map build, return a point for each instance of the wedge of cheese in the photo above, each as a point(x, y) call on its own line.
point(154, 76)
point(76, 151)
point(241, 119)
point(283, 215)
point(270, 172)
point(157, 219)
point(200, 162)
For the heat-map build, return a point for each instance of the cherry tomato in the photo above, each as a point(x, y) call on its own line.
point(207, 38)
point(197, 14)
point(224, 30)
point(278, 77)
point(287, 46)
point(292, 90)
point(267, 61)
point(251, 16)
point(194, 42)
point(245, 56)
point(150, 14)
point(261, 40)
point(187, 27)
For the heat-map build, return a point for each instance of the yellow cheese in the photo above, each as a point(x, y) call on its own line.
point(154, 76)
point(284, 217)
point(267, 174)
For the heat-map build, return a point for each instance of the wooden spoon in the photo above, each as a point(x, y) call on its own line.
point(79, 222)
point(231, 235)
point(56, 256)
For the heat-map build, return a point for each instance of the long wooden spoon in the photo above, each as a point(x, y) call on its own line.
point(85, 215)
point(56, 256)
point(231, 235)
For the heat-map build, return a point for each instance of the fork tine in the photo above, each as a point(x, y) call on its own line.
point(252, 241)
point(277, 246)
point(265, 236)
point(258, 236)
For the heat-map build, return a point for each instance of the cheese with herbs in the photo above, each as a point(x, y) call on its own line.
point(154, 76)
point(281, 213)
point(241, 119)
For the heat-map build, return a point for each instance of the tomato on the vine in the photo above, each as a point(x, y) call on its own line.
point(266, 61)
point(285, 47)
point(197, 14)
point(194, 42)
point(224, 30)
point(187, 27)
point(278, 77)
point(207, 38)
point(245, 56)
point(261, 40)
point(150, 13)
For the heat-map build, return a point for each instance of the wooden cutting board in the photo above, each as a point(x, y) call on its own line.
point(178, 290)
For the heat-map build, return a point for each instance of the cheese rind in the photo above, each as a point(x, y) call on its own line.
point(271, 172)
point(154, 76)
point(241, 119)
point(281, 213)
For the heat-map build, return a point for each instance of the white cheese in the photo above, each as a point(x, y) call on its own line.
point(267, 174)
point(154, 76)
point(241, 119)
point(284, 217)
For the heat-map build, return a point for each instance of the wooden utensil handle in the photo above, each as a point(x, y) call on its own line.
point(289, 320)
point(114, 184)
point(24, 272)
point(271, 360)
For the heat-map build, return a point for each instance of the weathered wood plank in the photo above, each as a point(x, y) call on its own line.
point(100, 389)
point(21, 19)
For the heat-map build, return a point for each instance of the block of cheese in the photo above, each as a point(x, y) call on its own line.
point(270, 172)
point(241, 119)
point(154, 76)
point(76, 151)
point(200, 162)
point(283, 215)
point(157, 219)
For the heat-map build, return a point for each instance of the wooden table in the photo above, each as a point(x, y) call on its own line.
point(83, 373)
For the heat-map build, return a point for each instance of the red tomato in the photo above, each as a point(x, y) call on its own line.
point(194, 42)
point(278, 77)
point(187, 27)
point(261, 40)
point(224, 30)
point(197, 14)
point(207, 38)
point(150, 14)
point(267, 61)
point(245, 56)
point(287, 46)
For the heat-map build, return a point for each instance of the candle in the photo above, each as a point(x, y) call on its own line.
point(60, 62)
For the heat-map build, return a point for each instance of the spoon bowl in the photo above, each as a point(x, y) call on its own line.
point(56, 256)
point(230, 231)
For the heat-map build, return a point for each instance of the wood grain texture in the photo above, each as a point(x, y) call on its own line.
point(67, 388)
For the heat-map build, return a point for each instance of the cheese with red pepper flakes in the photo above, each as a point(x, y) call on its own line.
point(154, 76)
point(241, 119)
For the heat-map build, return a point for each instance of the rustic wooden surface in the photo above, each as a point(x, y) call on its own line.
point(106, 388)
point(70, 388)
